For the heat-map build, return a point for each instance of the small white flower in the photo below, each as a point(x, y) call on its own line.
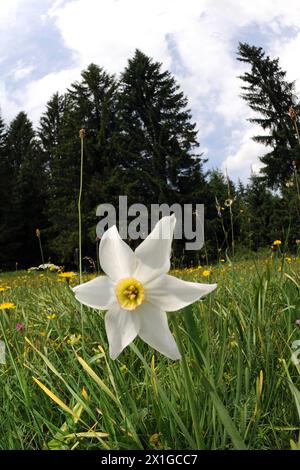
point(137, 291)
point(228, 202)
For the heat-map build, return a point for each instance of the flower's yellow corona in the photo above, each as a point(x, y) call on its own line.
point(130, 293)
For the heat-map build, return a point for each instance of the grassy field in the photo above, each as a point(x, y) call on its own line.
point(60, 390)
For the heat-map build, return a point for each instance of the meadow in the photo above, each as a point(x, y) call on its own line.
point(235, 388)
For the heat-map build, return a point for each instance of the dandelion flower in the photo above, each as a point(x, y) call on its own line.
point(68, 275)
point(7, 306)
point(52, 316)
point(276, 243)
point(206, 273)
point(137, 292)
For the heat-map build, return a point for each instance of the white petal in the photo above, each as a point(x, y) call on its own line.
point(155, 331)
point(170, 293)
point(122, 326)
point(116, 258)
point(97, 293)
point(153, 254)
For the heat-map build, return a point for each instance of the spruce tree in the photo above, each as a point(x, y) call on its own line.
point(28, 189)
point(158, 142)
point(5, 196)
point(4, 181)
point(271, 96)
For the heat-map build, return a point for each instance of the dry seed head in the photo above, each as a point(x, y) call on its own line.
point(38, 233)
point(82, 133)
point(292, 113)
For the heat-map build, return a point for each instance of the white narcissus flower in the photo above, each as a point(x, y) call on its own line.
point(137, 292)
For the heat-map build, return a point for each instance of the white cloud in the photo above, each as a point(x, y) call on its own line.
point(288, 52)
point(9, 10)
point(244, 161)
point(8, 107)
point(36, 94)
point(109, 31)
point(21, 70)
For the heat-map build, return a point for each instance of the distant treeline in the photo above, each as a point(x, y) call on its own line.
point(140, 141)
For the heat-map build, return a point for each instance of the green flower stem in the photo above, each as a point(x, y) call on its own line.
point(189, 387)
point(81, 134)
point(79, 208)
point(41, 250)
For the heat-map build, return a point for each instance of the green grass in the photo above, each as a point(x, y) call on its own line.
point(237, 343)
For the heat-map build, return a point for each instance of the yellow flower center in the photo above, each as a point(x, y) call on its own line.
point(130, 293)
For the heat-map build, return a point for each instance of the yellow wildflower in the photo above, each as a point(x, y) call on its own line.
point(7, 306)
point(67, 275)
point(52, 316)
point(276, 242)
point(206, 273)
point(73, 339)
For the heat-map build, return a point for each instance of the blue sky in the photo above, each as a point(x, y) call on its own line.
point(45, 44)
